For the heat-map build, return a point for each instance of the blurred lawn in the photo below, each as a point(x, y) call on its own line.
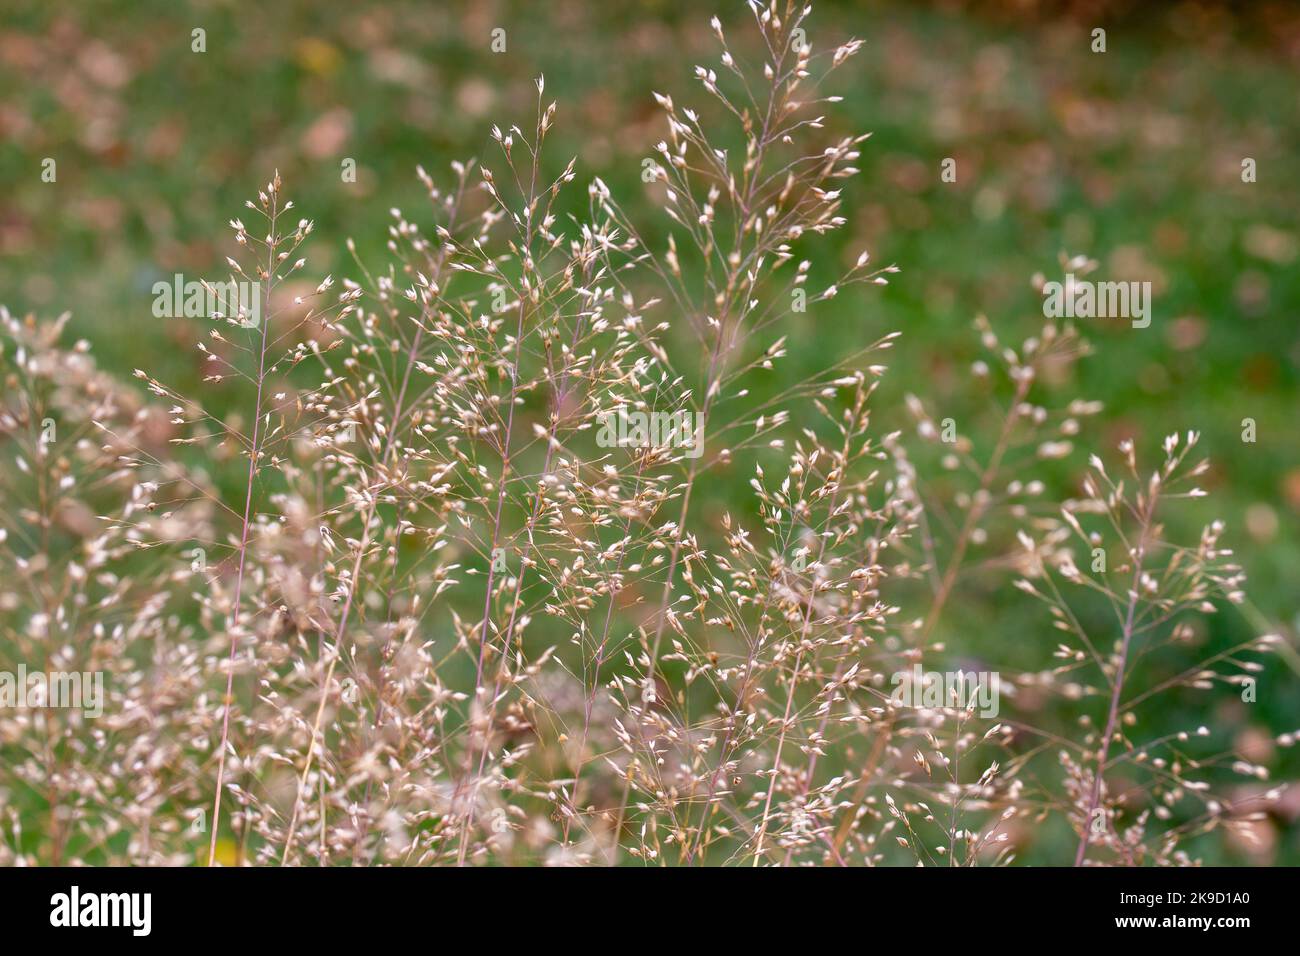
point(1132, 156)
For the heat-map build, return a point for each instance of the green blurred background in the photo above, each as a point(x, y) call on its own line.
point(1132, 156)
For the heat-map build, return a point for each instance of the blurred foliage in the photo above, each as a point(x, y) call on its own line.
point(1132, 156)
